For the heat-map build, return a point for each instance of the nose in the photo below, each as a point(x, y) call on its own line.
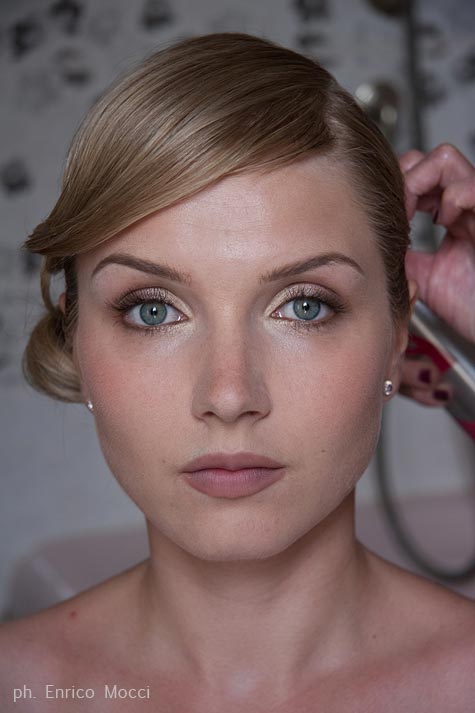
point(230, 381)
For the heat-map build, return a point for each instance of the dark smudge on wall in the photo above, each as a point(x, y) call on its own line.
point(14, 176)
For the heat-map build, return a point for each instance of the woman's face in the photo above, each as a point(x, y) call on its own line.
point(239, 363)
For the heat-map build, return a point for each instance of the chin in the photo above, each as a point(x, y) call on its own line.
point(243, 541)
point(248, 530)
point(237, 551)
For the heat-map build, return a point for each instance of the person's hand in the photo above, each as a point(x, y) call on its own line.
point(442, 183)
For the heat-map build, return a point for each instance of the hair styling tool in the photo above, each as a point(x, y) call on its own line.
point(453, 355)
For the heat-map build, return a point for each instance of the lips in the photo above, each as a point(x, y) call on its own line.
point(230, 461)
point(232, 475)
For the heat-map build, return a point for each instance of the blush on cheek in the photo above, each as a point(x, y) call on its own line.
point(347, 410)
point(362, 403)
point(133, 452)
point(138, 416)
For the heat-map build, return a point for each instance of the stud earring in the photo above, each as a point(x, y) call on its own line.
point(388, 387)
point(89, 405)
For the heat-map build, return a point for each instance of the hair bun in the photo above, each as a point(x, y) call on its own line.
point(47, 363)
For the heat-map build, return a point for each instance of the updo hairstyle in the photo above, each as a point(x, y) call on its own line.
point(195, 111)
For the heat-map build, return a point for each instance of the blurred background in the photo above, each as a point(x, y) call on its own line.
point(64, 522)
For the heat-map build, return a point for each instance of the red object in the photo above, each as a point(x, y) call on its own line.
point(468, 426)
point(417, 346)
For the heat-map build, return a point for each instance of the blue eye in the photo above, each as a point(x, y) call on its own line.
point(147, 311)
point(305, 303)
point(307, 307)
point(152, 313)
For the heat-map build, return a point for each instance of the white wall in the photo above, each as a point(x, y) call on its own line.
point(53, 477)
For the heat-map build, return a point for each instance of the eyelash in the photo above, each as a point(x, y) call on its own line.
point(133, 299)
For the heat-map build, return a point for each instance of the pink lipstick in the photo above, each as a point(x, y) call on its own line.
point(232, 475)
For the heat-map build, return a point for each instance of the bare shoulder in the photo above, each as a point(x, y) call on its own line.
point(26, 641)
point(422, 605)
point(29, 656)
point(431, 629)
point(64, 638)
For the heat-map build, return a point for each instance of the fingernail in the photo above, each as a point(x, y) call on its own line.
point(425, 376)
point(441, 394)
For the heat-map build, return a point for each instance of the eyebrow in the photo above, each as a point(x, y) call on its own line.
point(144, 266)
point(296, 268)
point(170, 273)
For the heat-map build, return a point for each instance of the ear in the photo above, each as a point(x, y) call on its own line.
point(62, 302)
point(413, 292)
point(62, 307)
point(401, 339)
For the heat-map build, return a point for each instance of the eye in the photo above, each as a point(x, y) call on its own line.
point(148, 310)
point(154, 314)
point(308, 306)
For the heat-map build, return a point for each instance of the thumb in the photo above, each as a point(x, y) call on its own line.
point(418, 267)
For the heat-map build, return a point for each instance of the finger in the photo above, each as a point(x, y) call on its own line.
point(423, 397)
point(458, 198)
point(407, 161)
point(410, 159)
point(419, 373)
point(442, 166)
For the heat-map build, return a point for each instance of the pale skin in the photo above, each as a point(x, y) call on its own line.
point(266, 602)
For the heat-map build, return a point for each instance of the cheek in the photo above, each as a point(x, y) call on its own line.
point(356, 415)
point(333, 402)
point(333, 379)
point(138, 404)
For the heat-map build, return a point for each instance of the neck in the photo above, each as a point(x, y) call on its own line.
point(241, 626)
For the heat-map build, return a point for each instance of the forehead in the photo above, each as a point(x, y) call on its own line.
point(253, 217)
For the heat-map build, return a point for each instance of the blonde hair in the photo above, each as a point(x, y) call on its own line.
point(190, 114)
